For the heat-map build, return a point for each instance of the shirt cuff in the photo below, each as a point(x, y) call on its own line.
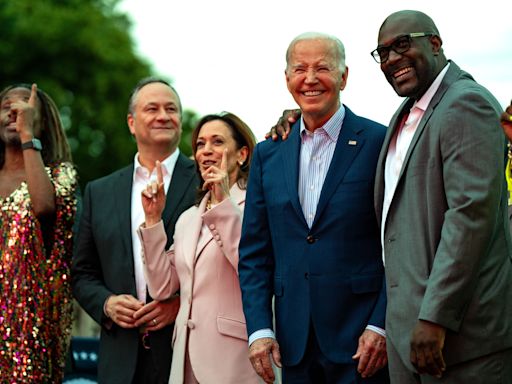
point(260, 334)
point(375, 329)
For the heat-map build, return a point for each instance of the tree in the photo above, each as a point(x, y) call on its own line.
point(82, 54)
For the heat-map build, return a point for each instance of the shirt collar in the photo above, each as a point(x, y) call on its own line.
point(332, 127)
point(424, 101)
point(167, 164)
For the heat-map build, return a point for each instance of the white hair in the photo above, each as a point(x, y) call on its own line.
point(339, 47)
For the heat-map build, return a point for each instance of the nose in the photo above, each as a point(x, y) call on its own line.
point(311, 76)
point(393, 57)
point(207, 148)
point(163, 114)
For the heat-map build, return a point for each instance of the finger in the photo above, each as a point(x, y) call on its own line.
point(267, 368)
point(159, 173)
point(147, 194)
point(33, 95)
point(224, 161)
point(276, 355)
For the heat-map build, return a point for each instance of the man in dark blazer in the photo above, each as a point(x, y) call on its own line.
point(441, 197)
point(108, 281)
point(310, 236)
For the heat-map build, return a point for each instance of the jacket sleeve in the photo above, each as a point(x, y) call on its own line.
point(256, 264)
point(159, 268)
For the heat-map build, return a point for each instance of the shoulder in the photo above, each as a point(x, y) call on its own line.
point(364, 126)
point(112, 178)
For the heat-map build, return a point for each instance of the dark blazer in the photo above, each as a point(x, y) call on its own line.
point(330, 275)
point(446, 235)
point(103, 264)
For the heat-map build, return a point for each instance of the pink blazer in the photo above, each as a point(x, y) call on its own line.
point(206, 273)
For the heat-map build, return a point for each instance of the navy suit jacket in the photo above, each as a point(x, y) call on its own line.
point(330, 275)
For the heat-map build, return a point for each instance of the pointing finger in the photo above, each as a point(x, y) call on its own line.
point(224, 161)
point(159, 173)
point(33, 95)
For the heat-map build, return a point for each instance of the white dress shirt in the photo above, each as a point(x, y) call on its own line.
point(141, 178)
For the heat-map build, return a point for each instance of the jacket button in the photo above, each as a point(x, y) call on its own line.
point(190, 324)
point(310, 239)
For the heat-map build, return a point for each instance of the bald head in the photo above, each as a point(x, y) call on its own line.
point(419, 20)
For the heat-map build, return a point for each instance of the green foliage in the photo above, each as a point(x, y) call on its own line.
point(81, 53)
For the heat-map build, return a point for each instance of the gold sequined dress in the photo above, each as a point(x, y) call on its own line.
point(35, 291)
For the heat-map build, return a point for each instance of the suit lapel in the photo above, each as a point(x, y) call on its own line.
point(451, 75)
point(291, 161)
point(122, 192)
point(180, 181)
point(379, 175)
point(347, 147)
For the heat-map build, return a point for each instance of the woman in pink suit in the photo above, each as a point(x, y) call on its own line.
point(210, 337)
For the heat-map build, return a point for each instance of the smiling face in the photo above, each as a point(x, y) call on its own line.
point(314, 79)
point(214, 137)
point(8, 133)
point(156, 118)
point(412, 72)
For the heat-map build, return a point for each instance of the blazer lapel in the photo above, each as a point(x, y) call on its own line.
point(290, 153)
point(181, 178)
point(122, 193)
point(343, 156)
point(451, 75)
point(381, 163)
point(197, 226)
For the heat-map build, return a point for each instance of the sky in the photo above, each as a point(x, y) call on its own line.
point(229, 55)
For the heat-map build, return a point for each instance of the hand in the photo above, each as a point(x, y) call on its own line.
point(283, 126)
point(427, 344)
point(259, 354)
point(153, 198)
point(120, 309)
point(26, 115)
point(506, 122)
point(157, 314)
point(217, 180)
point(371, 353)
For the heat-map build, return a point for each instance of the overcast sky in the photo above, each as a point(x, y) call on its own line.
point(229, 55)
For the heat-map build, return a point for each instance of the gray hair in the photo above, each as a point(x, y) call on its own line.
point(141, 84)
point(338, 45)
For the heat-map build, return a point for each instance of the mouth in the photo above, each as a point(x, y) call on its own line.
point(312, 93)
point(398, 75)
point(208, 163)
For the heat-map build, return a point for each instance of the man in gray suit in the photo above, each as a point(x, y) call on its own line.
point(441, 198)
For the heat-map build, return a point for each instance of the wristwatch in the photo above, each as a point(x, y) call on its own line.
point(32, 144)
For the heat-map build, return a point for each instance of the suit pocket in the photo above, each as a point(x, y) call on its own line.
point(231, 327)
point(366, 284)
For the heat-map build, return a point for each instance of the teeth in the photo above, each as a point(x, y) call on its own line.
point(312, 93)
point(401, 72)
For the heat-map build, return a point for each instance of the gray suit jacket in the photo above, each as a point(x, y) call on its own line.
point(103, 264)
point(446, 239)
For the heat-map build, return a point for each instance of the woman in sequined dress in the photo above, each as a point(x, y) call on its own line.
point(38, 204)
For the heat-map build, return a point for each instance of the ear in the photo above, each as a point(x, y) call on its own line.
point(242, 154)
point(437, 43)
point(131, 123)
point(287, 77)
point(344, 77)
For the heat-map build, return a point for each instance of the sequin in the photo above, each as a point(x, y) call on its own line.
point(35, 291)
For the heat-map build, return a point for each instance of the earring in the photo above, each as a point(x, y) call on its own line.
point(240, 162)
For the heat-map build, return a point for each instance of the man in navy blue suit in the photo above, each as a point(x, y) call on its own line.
point(310, 237)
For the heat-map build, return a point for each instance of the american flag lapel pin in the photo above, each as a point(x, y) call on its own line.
point(352, 142)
